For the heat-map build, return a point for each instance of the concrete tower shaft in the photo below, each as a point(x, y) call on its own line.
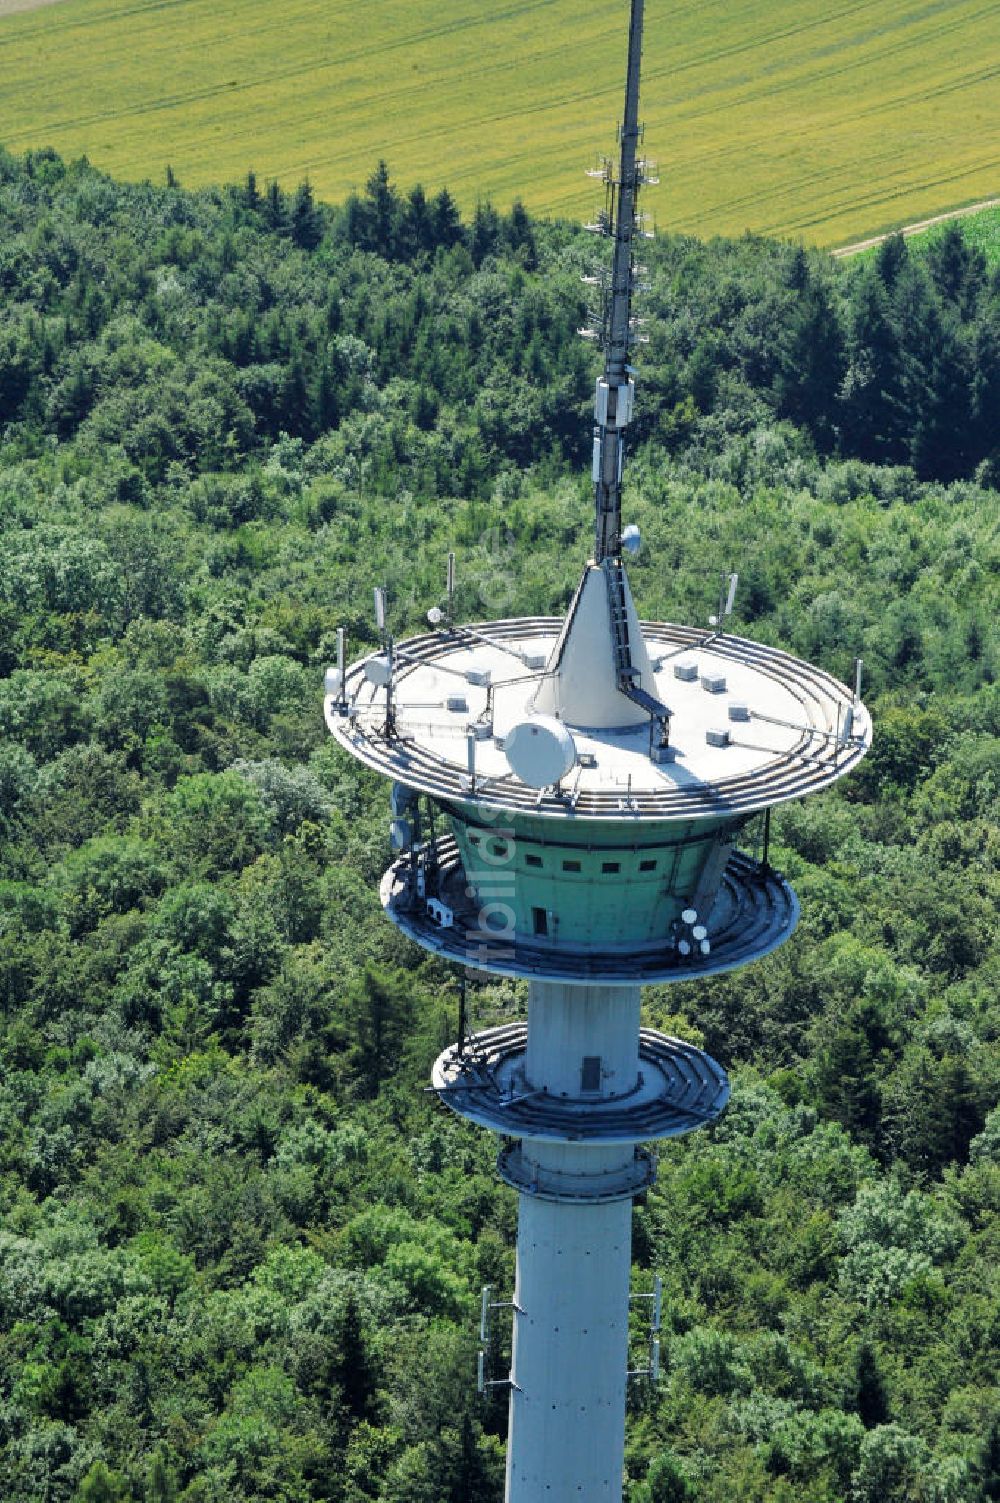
point(566, 1434)
point(606, 1018)
point(569, 1362)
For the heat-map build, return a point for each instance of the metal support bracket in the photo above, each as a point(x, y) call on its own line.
point(652, 1370)
point(484, 1384)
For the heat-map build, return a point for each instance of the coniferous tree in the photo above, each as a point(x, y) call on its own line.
point(379, 1007)
point(519, 235)
point(465, 1474)
point(275, 210)
point(353, 220)
point(15, 373)
point(295, 407)
point(934, 384)
point(417, 226)
point(306, 221)
point(447, 221)
point(325, 397)
point(958, 270)
point(161, 1486)
point(989, 1463)
point(869, 1387)
point(357, 1377)
point(797, 275)
point(985, 383)
point(890, 258)
point(380, 222)
point(844, 1074)
point(871, 397)
point(484, 233)
point(811, 363)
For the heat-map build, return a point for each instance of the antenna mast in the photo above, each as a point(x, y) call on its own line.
point(615, 389)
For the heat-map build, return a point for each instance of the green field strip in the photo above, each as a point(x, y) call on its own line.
point(983, 230)
point(802, 120)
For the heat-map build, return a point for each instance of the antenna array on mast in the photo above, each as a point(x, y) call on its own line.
point(613, 323)
point(617, 329)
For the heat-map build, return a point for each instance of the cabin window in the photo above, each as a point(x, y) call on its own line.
point(540, 920)
point(590, 1074)
point(473, 839)
point(647, 866)
point(571, 866)
point(532, 860)
point(499, 848)
point(611, 866)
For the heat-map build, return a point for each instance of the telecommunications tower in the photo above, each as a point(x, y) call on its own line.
point(567, 796)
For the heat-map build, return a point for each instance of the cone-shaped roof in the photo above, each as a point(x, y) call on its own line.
point(580, 683)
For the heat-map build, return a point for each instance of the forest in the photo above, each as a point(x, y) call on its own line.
point(241, 1246)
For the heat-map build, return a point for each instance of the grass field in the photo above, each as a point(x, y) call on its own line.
point(819, 119)
point(984, 230)
point(979, 229)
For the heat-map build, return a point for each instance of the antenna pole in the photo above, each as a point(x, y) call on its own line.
point(463, 1017)
point(613, 407)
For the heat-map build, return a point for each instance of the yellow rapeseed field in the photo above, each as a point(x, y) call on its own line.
point(817, 119)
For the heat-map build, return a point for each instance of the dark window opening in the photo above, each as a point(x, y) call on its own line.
point(590, 1075)
point(611, 866)
point(540, 920)
point(499, 847)
point(571, 866)
point(647, 866)
point(532, 860)
point(473, 839)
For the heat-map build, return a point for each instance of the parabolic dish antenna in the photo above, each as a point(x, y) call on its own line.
point(540, 751)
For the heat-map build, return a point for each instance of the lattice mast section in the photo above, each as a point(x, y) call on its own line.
point(616, 388)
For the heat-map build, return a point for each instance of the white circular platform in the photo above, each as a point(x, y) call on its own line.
point(794, 729)
point(680, 1088)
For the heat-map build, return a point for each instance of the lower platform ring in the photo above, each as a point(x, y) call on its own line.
point(755, 911)
point(576, 1189)
point(680, 1088)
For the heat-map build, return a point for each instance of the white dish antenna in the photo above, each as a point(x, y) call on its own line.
point(378, 671)
point(631, 539)
point(540, 751)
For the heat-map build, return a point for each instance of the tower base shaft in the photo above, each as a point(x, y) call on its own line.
point(566, 1439)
